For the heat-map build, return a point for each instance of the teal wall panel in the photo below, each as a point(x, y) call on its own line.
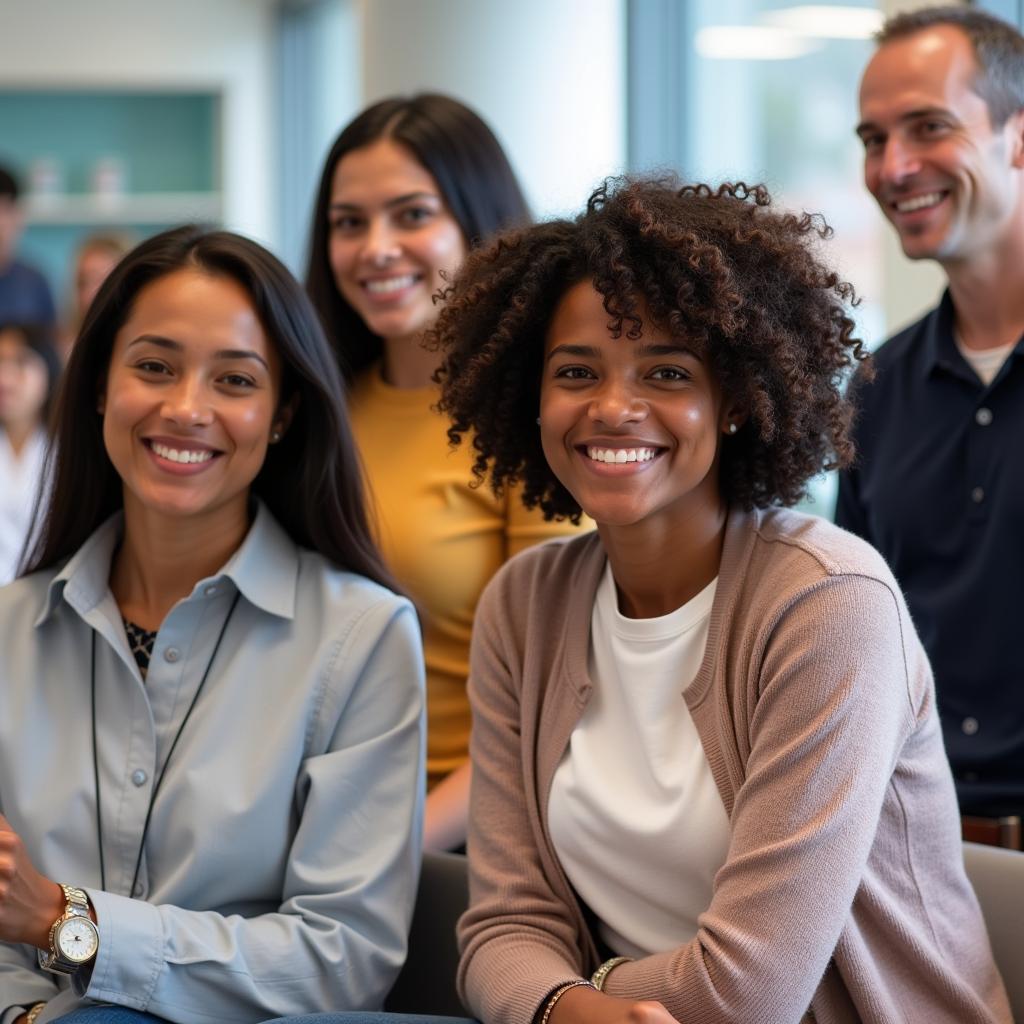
point(165, 142)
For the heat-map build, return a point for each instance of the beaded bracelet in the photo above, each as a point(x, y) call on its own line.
point(598, 978)
point(559, 992)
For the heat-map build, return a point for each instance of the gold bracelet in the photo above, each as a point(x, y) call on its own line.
point(600, 976)
point(34, 1012)
point(559, 992)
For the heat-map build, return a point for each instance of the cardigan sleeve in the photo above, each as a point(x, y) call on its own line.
point(834, 705)
point(518, 940)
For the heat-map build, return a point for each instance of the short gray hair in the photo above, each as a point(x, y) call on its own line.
point(998, 49)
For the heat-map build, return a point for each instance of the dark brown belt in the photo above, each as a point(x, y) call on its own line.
point(1006, 831)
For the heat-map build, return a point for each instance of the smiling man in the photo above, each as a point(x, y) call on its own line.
point(938, 486)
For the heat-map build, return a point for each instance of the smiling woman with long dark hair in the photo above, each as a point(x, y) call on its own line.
point(409, 187)
point(210, 699)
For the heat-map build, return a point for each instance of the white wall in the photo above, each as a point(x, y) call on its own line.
point(547, 75)
point(220, 44)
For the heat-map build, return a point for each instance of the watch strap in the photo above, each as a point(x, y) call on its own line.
point(76, 899)
point(600, 976)
point(76, 904)
point(30, 1017)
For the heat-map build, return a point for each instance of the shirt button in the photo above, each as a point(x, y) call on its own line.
point(978, 495)
point(212, 588)
point(969, 726)
point(139, 777)
point(983, 417)
point(138, 890)
point(172, 654)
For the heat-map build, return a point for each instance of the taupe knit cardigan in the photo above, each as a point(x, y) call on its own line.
point(843, 893)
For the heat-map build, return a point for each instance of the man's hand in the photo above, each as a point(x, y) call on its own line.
point(583, 1005)
point(29, 902)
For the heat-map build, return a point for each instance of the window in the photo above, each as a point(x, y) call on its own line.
point(766, 91)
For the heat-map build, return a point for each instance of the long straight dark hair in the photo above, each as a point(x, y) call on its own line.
point(310, 480)
point(472, 172)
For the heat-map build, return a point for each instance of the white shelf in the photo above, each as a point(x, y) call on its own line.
point(126, 209)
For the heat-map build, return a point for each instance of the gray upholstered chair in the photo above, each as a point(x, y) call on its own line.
point(426, 983)
point(998, 878)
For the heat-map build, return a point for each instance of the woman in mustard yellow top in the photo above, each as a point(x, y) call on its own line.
point(408, 187)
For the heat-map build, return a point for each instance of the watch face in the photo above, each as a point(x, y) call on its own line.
point(77, 939)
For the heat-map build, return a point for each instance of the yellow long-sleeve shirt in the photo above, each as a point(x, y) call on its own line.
point(442, 539)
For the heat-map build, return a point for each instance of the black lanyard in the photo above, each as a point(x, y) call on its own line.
point(163, 771)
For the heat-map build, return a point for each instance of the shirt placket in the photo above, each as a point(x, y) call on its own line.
point(126, 753)
point(175, 670)
point(982, 440)
point(971, 399)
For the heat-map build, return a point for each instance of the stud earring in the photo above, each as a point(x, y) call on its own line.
point(275, 437)
point(732, 428)
point(538, 421)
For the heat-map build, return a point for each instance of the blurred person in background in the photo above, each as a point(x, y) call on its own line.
point(95, 257)
point(408, 188)
point(29, 367)
point(938, 486)
point(24, 294)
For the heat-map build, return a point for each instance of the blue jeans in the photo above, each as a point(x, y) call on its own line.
point(121, 1015)
point(108, 1015)
point(370, 1017)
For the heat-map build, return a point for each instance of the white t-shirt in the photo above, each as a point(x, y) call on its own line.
point(19, 481)
point(985, 362)
point(635, 815)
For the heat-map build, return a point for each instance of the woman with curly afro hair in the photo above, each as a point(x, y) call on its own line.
point(708, 778)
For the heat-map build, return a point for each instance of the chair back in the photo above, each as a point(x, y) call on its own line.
point(998, 879)
point(426, 984)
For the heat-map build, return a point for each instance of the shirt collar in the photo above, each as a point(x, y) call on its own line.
point(84, 580)
point(940, 349)
point(265, 569)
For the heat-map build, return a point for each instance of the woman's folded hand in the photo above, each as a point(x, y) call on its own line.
point(29, 903)
point(587, 1006)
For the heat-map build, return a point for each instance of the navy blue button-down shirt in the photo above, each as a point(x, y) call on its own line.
point(25, 296)
point(938, 488)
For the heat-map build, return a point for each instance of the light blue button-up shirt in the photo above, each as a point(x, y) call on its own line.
point(281, 862)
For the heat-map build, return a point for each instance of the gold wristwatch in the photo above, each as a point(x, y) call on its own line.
point(74, 939)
